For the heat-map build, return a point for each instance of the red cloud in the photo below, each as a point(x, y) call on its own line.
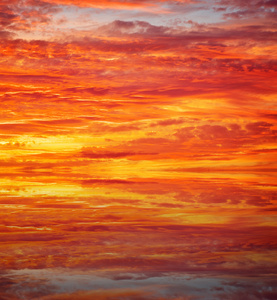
point(137, 149)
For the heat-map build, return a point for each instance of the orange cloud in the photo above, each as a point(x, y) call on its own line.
point(137, 153)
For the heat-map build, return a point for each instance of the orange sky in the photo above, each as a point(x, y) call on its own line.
point(138, 149)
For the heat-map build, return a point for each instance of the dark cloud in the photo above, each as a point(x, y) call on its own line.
point(119, 27)
point(25, 14)
point(91, 90)
point(253, 9)
point(6, 17)
point(234, 136)
point(30, 237)
point(106, 181)
point(103, 154)
point(5, 34)
point(87, 153)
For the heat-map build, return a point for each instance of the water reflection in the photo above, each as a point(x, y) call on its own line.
point(139, 238)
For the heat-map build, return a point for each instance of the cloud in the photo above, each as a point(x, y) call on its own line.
point(254, 9)
point(105, 181)
point(102, 153)
point(231, 136)
point(5, 34)
point(154, 6)
point(64, 286)
point(29, 237)
point(40, 127)
point(99, 153)
point(26, 14)
point(121, 28)
point(60, 122)
point(139, 148)
point(6, 17)
point(170, 37)
point(101, 295)
point(91, 90)
point(168, 122)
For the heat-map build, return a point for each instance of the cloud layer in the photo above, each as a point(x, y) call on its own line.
point(138, 149)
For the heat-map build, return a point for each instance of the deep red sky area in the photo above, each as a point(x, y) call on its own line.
point(138, 149)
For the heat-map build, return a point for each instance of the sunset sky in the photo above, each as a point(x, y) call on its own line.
point(138, 146)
